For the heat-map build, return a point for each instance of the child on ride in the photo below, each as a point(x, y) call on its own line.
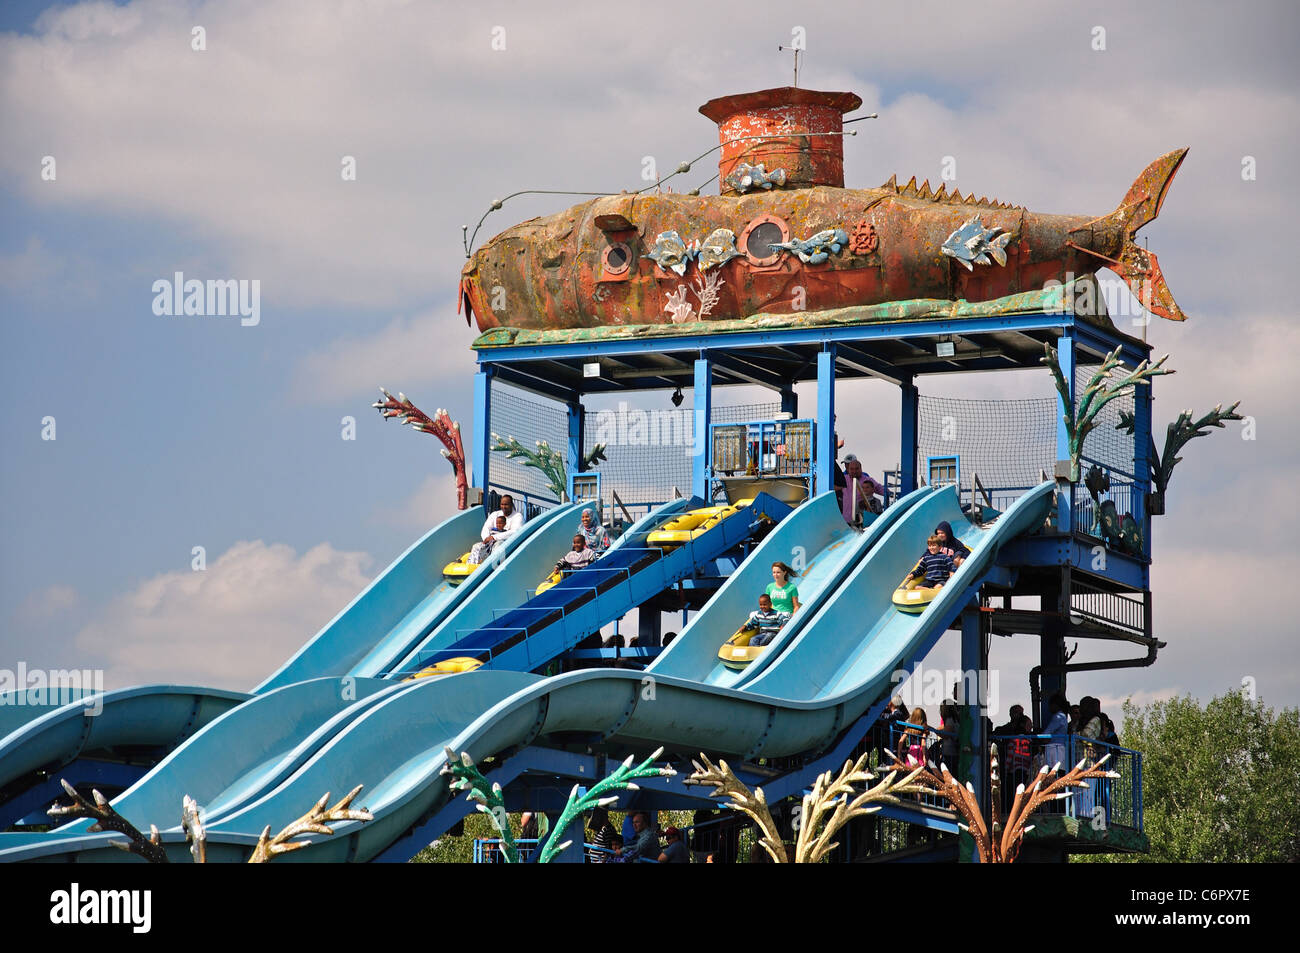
point(766, 620)
point(934, 565)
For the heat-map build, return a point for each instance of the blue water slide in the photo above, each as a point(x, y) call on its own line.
point(249, 748)
point(837, 668)
point(397, 609)
point(853, 644)
point(254, 745)
point(816, 538)
point(157, 717)
point(399, 606)
point(631, 572)
point(27, 704)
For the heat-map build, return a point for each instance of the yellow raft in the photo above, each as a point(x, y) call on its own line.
point(695, 523)
point(458, 570)
point(451, 666)
point(549, 581)
point(736, 652)
point(912, 595)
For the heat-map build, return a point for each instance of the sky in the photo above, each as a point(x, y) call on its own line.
point(151, 137)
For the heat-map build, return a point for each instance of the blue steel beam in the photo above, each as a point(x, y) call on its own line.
point(537, 385)
point(739, 340)
point(909, 435)
point(1075, 552)
point(1142, 446)
point(824, 438)
point(702, 398)
point(848, 354)
point(481, 450)
point(1065, 492)
point(1101, 341)
point(748, 371)
point(577, 416)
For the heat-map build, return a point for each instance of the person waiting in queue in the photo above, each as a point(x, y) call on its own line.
point(782, 590)
point(859, 493)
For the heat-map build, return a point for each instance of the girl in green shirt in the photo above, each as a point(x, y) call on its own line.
point(784, 593)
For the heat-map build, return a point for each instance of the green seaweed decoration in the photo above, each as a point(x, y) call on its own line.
point(487, 797)
point(598, 796)
point(1178, 434)
point(549, 461)
point(1100, 391)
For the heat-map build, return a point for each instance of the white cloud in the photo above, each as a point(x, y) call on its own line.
point(406, 350)
point(227, 626)
point(51, 601)
point(433, 501)
point(34, 265)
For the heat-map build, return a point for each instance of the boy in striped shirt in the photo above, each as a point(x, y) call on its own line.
point(935, 566)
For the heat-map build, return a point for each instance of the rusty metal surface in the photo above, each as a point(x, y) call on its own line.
point(795, 130)
point(552, 272)
point(1049, 300)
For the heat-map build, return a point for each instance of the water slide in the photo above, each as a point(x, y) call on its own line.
point(819, 545)
point(834, 669)
point(544, 626)
point(282, 725)
point(398, 609)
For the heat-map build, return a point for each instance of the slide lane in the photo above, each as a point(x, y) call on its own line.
point(399, 606)
point(413, 729)
point(159, 716)
point(258, 744)
point(403, 603)
point(512, 585)
point(631, 573)
point(396, 746)
point(814, 535)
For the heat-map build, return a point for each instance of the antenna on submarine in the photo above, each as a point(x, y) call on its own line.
point(797, 48)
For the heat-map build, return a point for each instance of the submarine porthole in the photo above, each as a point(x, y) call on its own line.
point(617, 258)
point(760, 235)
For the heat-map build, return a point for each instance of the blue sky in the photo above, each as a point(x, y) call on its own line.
point(176, 432)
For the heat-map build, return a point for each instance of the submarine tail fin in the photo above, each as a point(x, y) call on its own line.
point(1137, 266)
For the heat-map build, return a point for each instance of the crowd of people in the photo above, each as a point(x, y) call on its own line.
point(1020, 753)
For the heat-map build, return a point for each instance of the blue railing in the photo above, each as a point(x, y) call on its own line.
point(1106, 802)
point(530, 504)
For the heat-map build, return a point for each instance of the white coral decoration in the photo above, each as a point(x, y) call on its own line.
point(678, 306)
point(707, 291)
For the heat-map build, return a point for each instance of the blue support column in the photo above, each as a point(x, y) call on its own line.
point(576, 835)
point(972, 763)
point(1065, 491)
point(789, 402)
point(824, 462)
point(702, 397)
point(909, 435)
point(577, 417)
point(649, 627)
point(482, 429)
point(1142, 399)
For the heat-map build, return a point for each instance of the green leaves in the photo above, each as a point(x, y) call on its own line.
point(1221, 783)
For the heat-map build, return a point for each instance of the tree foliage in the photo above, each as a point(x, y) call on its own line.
point(1221, 784)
